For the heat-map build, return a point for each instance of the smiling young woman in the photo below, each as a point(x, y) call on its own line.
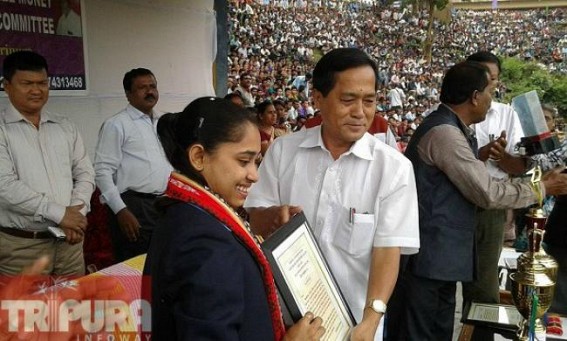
point(210, 279)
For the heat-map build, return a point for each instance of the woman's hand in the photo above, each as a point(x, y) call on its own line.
point(309, 328)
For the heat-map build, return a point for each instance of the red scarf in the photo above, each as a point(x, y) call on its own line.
point(182, 188)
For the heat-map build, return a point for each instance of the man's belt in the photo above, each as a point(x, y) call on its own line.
point(27, 234)
point(140, 195)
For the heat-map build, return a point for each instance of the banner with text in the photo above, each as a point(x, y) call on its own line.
point(52, 28)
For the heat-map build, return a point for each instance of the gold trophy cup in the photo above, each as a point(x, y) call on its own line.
point(533, 284)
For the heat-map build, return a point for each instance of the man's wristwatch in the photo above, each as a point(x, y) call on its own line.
point(378, 306)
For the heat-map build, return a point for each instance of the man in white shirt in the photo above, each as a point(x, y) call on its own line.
point(397, 97)
point(46, 177)
point(69, 23)
point(291, 111)
point(131, 167)
point(358, 194)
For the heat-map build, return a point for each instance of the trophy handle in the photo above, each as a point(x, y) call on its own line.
point(535, 180)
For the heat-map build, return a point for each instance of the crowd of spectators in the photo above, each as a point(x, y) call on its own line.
point(274, 44)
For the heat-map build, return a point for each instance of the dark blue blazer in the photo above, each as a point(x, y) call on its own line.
point(205, 285)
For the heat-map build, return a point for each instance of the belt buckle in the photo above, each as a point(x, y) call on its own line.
point(35, 234)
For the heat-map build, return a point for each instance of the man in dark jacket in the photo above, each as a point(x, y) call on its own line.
point(451, 184)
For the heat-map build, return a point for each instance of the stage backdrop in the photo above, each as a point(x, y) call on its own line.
point(173, 38)
point(52, 28)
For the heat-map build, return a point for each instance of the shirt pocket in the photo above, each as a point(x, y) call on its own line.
point(62, 151)
point(135, 144)
point(356, 237)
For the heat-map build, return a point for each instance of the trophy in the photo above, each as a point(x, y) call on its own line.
point(533, 284)
point(538, 138)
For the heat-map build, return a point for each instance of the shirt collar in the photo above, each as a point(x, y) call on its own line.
point(137, 114)
point(469, 130)
point(492, 108)
point(362, 148)
point(13, 115)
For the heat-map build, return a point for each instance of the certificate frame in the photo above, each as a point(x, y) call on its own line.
point(304, 279)
point(497, 316)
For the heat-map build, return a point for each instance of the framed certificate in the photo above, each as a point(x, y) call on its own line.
point(304, 280)
point(500, 316)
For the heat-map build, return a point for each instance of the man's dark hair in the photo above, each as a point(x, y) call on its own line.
point(279, 102)
point(131, 75)
point(22, 61)
point(486, 57)
point(339, 60)
point(462, 80)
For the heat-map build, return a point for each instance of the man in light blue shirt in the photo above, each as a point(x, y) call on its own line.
point(303, 82)
point(131, 167)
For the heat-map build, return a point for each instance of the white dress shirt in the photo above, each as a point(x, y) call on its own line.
point(499, 117)
point(396, 97)
point(129, 156)
point(69, 25)
point(246, 96)
point(292, 114)
point(372, 178)
point(42, 171)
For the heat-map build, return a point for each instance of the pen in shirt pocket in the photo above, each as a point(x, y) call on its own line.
point(352, 211)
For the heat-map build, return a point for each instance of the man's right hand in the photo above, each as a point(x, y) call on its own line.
point(495, 149)
point(265, 220)
point(555, 182)
point(128, 224)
